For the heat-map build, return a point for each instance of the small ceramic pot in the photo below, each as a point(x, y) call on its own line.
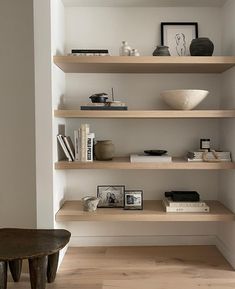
point(201, 47)
point(161, 51)
point(104, 150)
point(90, 203)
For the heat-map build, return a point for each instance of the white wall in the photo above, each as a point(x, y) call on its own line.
point(17, 154)
point(226, 236)
point(106, 27)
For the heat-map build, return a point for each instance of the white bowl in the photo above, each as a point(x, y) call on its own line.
point(185, 99)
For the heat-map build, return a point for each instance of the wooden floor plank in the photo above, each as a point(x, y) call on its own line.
point(174, 267)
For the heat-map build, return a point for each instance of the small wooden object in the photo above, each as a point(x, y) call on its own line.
point(40, 247)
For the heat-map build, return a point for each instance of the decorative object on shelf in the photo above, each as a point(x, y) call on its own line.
point(99, 97)
point(202, 46)
point(125, 49)
point(145, 158)
point(155, 152)
point(133, 200)
point(178, 36)
point(209, 156)
point(134, 52)
point(89, 52)
point(111, 196)
point(205, 144)
point(84, 144)
point(184, 99)
point(90, 203)
point(104, 150)
point(161, 51)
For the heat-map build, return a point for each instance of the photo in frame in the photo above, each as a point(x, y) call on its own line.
point(133, 200)
point(178, 36)
point(111, 196)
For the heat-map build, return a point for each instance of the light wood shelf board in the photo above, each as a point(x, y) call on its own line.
point(125, 164)
point(153, 211)
point(144, 64)
point(145, 114)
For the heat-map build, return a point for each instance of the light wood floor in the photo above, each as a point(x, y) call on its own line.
point(186, 267)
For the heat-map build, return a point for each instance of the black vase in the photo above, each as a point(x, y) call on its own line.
point(201, 47)
point(161, 51)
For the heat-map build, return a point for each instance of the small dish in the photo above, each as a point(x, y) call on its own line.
point(155, 152)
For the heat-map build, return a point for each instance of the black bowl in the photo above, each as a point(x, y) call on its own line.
point(98, 98)
point(155, 152)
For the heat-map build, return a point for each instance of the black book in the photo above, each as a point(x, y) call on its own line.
point(86, 107)
point(183, 196)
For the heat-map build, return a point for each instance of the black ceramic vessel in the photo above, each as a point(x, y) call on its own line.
point(201, 47)
point(99, 98)
point(161, 51)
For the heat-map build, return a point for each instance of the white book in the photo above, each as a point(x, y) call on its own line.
point(90, 147)
point(134, 158)
point(171, 203)
point(203, 209)
point(64, 148)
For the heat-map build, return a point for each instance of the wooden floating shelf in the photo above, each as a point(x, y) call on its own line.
point(145, 114)
point(125, 164)
point(144, 64)
point(153, 211)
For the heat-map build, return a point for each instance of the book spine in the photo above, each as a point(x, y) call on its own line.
point(204, 209)
point(84, 131)
point(64, 148)
point(77, 145)
point(90, 147)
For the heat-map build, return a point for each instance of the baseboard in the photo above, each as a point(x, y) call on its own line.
point(81, 241)
point(225, 250)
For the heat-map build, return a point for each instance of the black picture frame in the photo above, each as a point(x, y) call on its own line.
point(181, 41)
point(111, 196)
point(131, 205)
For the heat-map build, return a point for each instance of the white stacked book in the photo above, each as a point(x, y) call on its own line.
point(135, 158)
point(210, 156)
point(84, 144)
point(185, 207)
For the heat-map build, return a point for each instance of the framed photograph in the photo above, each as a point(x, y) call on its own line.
point(133, 200)
point(111, 196)
point(178, 36)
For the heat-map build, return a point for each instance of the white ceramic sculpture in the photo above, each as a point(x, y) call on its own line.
point(185, 99)
point(90, 203)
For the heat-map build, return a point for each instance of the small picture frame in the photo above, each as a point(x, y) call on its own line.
point(111, 196)
point(178, 36)
point(133, 200)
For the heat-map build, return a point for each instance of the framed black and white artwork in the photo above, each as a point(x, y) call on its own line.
point(178, 36)
point(133, 200)
point(111, 196)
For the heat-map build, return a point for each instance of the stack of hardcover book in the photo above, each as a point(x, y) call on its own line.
point(199, 156)
point(67, 147)
point(184, 202)
point(144, 158)
point(89, 52)
point(84, 144)
point(110, 105)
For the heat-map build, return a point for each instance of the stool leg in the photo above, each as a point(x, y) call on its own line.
point(15, 268)
point(37, 271)
point(3, 275)
point(52, 267)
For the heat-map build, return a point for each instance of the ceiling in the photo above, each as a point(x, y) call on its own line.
point(145, 3)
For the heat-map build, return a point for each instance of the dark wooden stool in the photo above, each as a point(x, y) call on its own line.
point(40, 247)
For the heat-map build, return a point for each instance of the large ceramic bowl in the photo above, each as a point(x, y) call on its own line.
point(185, 99)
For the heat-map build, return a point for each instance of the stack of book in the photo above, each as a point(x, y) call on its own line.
point(111, 105)
point(67, 147)
point(90, 52)
point(84, 144)
point(209, 156)
point(144, 158)
point(184, 202)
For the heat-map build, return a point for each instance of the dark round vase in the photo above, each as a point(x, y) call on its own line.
point(201, 47)
point(161, 51)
